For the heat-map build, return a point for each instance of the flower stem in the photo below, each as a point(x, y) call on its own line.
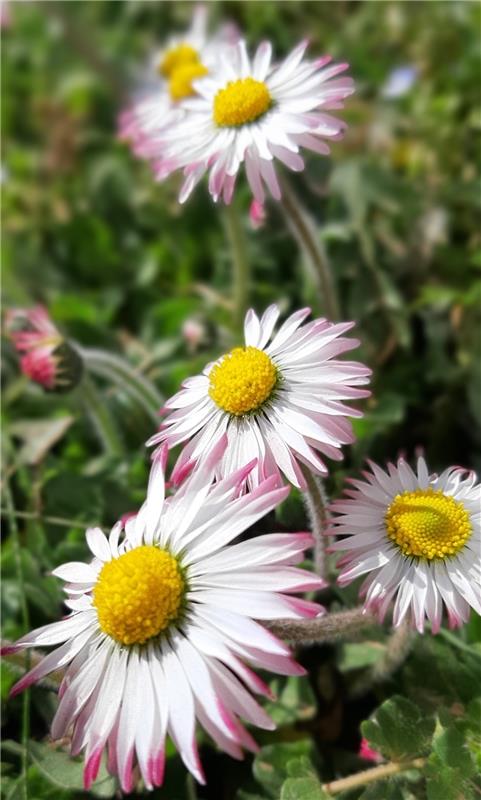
point(371, 775)
point(26, 625)
point(104, 424)
point(120, 372)
point(331, 628)
point(240, 263)
point(304, 230)
point(398, 647)
point(316, 504)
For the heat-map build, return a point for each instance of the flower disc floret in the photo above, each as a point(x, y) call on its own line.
point(180, 83)
point(243, 380)
point(428, 524)
point(178, 57)
point(241, 102)
point(139, 594)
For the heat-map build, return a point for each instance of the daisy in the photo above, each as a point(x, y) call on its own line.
point(417, 537)
point(46, 357)
point(279, 398)
point(169, 80)
point(163, 620)
point(248, 111)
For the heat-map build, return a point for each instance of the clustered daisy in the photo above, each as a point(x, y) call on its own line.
point(163, 620)
point(417, 538)
point(169, 79)
point(253, 113)
point(279, 398)
point(217, 108)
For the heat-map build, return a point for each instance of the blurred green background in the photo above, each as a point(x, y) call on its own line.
point(119, 265)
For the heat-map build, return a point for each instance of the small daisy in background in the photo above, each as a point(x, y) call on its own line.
point(163, 620)
point(169, 80)
point(45, 356)
point(279, 398)
point(251, 112)
point(417, 537)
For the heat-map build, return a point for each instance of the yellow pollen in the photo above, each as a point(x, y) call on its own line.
point(428, 524)
point(241, 102)
point(243, 380)
point(180, 83)
point(177, 57)
point(138, 594)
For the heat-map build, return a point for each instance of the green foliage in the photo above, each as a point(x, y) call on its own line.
point(399, 730)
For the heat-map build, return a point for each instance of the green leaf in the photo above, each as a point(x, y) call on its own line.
point(446, 783)
point(270, 765)
point(66, 772)
point(382, 790)
point(294, 701)
point(357, 656)
point(399, 730)
point(303, 789)
point(450, 747)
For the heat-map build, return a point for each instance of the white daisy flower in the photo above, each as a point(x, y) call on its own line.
point(169, 79)
point(162, 623)
point(417, 537)
point(248, 111)
point(279, 398)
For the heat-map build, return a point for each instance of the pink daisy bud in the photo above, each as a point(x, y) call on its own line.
point(46, 358)
point(257, 214)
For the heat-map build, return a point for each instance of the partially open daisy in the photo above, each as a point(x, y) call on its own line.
point(46, 357)
point(162, 624)
point(248, 111)
point(417, 537)
point(169, 80)
point(279, 398)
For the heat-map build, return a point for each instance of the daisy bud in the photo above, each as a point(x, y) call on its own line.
point(46, 357)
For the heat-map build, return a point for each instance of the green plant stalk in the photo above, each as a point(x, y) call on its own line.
point(398, 647)
point(304, 230)
point(26, 625)
point(240, 264)
point(103, 421)
point(371, 775)
point(62, 522)
point(117, 370)
point(316, 503)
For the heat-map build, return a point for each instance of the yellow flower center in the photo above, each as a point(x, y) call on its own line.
point(243, 380)
point(138, 594)
point(241, 102)
point(428, 524)
point(178, 57)
point(180, 83)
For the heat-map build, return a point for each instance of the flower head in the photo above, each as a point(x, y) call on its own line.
point(250, 112)
point(169, 80)
point(46, 357)
point(163, 620)
point(417, 538)
point(279, 398)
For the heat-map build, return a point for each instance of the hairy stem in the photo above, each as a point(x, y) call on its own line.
point(102, 419)
point(26, 625)
point(316, 504)
point(304, 230)
point(371, 775)
point(240, 263)
point(62, 522)
point(398, 647)
point(331, 628)
point(120, 372)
